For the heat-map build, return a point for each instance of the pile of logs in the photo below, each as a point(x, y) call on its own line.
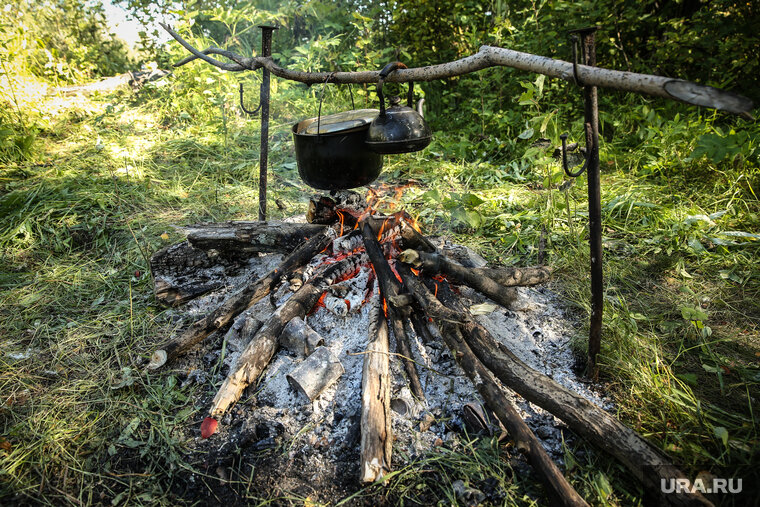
point(415, 292)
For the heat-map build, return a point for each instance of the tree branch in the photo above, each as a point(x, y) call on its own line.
point(489, 56)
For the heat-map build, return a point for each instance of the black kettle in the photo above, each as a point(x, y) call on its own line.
point(398, 129)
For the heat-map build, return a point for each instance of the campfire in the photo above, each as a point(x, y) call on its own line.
point(363, 327)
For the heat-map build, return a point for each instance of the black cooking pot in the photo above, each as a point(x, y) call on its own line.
point(331, 153)
point(398, 129)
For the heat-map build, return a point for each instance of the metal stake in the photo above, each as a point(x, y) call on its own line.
point(591, 123)
point(266, 51)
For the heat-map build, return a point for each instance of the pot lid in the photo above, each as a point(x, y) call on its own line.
point(338, 122)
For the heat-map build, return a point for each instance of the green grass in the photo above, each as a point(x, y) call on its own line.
point(108, 177)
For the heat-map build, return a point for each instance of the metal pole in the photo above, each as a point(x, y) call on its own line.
point(591, 120)
point(266, 51)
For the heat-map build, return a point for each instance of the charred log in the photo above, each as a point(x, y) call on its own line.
point(390, 289)
point(181, 272)
point(252, 292)
point(243, 237)
point(524, 439)
point(508, 277)
point(585, 419)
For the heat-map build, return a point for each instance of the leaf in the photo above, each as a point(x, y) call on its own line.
point(692, 314)
point(472, 200)
point(482, 309)
point(208, 427)
point(98, 301)
point(474, 219)
point(165, 236)
point(721, 433)
point(527, 133)
point(696, 246)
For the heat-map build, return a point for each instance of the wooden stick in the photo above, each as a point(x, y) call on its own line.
point(376, 431)
point(643, 460)
point(250, 294)
point(437, 263)
point(390, 288)
point(524, 439)
point(256, 356)
point(489, 56)
point(508, 277)
point(232, 238)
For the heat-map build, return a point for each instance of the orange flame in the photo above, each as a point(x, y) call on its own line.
point(341, 219)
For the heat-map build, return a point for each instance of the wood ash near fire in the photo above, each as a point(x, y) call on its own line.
point(326, 351)
point(322, 436)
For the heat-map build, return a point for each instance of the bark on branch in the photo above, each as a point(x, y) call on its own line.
point(489, 56)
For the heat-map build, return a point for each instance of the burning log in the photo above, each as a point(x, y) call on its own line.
point(316, 373)
point(584, 418)
point(250, 294)
point(324, 209)
point(242, 237)
point(433, 262)
point(263, 345)
point(390, 289)
point(376, 431)
point(524, 439)
point(438, 263)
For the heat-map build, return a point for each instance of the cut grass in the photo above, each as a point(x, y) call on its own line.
point(79, 220)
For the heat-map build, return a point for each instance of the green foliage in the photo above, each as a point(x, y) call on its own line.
point(65, 40)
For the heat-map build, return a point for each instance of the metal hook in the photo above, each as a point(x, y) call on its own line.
point(252, 113)
point(565, 167)
point(574, 41)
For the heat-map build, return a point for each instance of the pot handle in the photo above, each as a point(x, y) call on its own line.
point(385, 73)
point(321, 98)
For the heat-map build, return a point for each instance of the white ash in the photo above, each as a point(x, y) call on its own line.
point(537, 331)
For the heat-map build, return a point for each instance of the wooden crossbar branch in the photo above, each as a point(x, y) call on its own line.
point(490, 56)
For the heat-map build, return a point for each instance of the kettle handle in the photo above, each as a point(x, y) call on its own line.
point(385, 73)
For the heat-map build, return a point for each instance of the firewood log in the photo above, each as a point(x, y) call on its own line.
point(390, 287)
point(376, 431)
